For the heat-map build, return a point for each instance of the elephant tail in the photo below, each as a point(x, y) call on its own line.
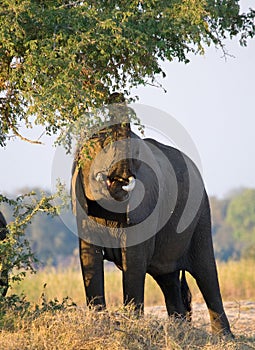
point(186, 296)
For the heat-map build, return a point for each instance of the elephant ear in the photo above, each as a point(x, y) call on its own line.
point(145, 195)
point(77, 190)
point(156, 189)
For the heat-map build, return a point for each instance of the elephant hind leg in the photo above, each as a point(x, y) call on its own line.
point(203, 269)
point(207, 282)
point(211, 293)
point(174, 293)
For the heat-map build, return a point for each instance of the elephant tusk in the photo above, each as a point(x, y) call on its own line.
point(131, 185)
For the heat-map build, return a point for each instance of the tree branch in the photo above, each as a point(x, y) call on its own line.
point(16, 133)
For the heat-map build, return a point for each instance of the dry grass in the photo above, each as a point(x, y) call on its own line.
point(78, 328)
point(81, 329)
point(237, 281)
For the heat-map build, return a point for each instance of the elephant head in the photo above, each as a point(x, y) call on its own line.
point(108, 165)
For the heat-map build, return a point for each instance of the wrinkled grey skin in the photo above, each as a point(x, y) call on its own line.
point(180, 243)
point(3, 272)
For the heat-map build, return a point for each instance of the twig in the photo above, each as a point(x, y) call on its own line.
point(16, 133)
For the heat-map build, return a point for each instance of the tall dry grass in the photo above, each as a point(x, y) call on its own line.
point(237, 282)
point(80, 329)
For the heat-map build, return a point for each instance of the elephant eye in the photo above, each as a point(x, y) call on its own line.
point(100, 177)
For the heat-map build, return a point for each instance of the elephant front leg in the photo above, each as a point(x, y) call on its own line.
point(133, 289)
point(133, 279)
point(91, 258)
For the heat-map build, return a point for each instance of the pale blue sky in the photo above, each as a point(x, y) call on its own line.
point(214, 101)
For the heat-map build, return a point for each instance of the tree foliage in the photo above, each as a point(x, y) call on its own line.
point(234, 225)
point(241, 218)
point(60, 58)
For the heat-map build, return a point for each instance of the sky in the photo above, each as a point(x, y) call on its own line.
point(211, 98)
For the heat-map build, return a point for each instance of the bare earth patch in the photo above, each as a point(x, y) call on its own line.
point(241, 316)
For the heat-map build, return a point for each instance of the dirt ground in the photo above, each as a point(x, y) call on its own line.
point(241, 316)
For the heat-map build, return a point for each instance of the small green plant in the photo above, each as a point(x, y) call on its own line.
point(16, 255)
point(16, 308)
point(54, 304)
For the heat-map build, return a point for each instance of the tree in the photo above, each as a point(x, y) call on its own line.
point(218, 212)
point(225, 245)
point(60, 58)
point(241, 218)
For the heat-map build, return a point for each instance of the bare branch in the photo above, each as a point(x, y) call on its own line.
point(16, 133)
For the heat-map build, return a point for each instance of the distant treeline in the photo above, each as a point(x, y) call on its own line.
point(233, 220)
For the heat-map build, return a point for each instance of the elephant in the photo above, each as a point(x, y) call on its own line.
point(143, 205)
point(3, 272)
